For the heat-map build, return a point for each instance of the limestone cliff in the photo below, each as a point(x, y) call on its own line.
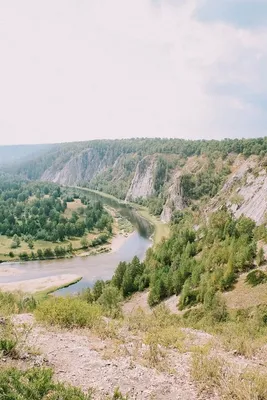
point(79, 168)
point(143, 182)
point(175, 199)
point(245, 191)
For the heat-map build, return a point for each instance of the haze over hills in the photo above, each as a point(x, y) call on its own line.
point(14, 153)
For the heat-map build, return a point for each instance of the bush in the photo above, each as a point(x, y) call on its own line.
point(36, 384)
point(68, 312)
point(110, 300)
point(256, 277)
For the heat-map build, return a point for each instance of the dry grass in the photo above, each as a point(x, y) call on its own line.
point(5, 246)
point(214, 375)
point(245, 296)
point(73, 206)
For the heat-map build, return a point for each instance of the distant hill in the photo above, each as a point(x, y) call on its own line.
point(11, 154)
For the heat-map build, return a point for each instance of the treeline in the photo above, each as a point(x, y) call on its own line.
point(48, 253)
point(112, 149)
point(36, 211)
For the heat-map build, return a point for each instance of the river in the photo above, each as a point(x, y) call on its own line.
point(91, 268)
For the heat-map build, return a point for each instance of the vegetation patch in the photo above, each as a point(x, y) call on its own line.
point(36, 384)
point(68, 312)
point(256, 277)
point(43, 220)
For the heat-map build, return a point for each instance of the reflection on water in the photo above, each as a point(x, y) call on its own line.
point(143, 227)
point(90, 268)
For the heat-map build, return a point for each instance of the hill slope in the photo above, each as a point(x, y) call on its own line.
point(164, 174)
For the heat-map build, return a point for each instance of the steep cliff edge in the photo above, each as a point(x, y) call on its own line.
point(175, 199)
point(143, 182)
point(245, 191)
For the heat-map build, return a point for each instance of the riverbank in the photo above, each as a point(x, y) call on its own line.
point(44, 285)
point(161, 229)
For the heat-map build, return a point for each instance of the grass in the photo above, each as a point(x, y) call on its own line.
point(36, 384)
point(13, 303)
point(214, 375)
point(162, 230)
point(42, 295)
point(245, 296)
point(5, 247)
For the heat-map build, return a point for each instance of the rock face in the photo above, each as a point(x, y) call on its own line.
point(245, 191)
point(143, 182)
point(175, 200)
point(254, 198)
point(80, 168)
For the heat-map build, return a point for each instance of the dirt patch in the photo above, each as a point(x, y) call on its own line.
point(139, 300)
point(78, 358)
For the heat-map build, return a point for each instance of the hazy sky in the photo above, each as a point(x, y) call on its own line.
point(85, 69)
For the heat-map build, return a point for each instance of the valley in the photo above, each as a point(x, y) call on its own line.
point(183, 317)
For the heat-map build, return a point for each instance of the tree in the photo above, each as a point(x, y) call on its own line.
point(260, 257)
point(15, 242)
point(30, 244)
point(84, 242)
point(40, 254)
point(110, 300)
point(48, 253)
point(98, 289)
point(117, 278)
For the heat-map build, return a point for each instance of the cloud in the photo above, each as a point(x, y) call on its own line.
point(100, 69)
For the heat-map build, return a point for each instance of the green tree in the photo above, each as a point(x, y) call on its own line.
point(260, 257)
point(110, 300)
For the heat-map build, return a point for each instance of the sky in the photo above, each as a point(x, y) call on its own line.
point(96, 69)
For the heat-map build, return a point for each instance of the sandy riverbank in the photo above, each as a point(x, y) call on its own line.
point(40, 284)
point(116, 243)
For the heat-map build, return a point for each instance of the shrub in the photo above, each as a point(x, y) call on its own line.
point(12, 303)
point(68, 312)
point(256, 277)
point(36, 384)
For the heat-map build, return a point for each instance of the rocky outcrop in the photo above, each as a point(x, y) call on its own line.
point(175, 200)
point(80, 168)
point(253, 198)
point(143, 182)
point(245, 191)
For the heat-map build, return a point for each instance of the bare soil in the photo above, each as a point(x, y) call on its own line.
point(82, 359)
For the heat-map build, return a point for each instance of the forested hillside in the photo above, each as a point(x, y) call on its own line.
point(42, 220)
point(163, 174)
